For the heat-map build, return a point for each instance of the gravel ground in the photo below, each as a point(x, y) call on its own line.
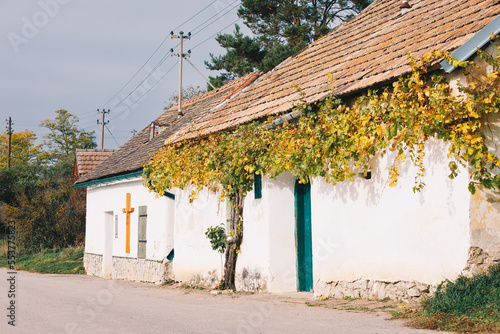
point(84, 304)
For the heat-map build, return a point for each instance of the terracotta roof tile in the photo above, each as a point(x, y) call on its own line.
point(88, 159)
point(131, 156)
point(369, 49)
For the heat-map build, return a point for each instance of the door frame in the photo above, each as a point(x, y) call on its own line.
point(303, 236)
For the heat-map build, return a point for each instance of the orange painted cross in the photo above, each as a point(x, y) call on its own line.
point(128, 210)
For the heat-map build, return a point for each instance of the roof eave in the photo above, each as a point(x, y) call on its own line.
point(470, 47)
point(107, 180)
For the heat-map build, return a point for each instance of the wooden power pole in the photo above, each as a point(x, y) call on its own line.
point(104, 123)
point(9, 133)
point(181, 56)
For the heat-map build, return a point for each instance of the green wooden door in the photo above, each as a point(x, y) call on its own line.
point(143, 225)
point(303, 239)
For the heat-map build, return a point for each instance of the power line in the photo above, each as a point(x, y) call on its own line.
point(167, 54)
point(165, 57)
point(163, 60)
point(156, 50)
point(194, 47)
point(130, 106)
point(112, 135)
point(227, 9)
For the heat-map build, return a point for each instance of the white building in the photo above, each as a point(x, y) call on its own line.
point(358, 238)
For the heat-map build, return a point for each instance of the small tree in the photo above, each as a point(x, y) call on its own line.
point(218, 240)
point(23, 148)
point(65, 136)
point(187, 93)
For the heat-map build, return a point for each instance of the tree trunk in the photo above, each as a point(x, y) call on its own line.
point(235, 239)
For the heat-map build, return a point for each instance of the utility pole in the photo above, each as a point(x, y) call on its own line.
point(9, 133)
point(181, 56)
point(103, 112)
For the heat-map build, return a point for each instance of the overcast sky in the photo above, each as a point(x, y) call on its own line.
point(77, 54)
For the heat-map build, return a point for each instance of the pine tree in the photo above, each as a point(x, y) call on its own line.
point(281, 28)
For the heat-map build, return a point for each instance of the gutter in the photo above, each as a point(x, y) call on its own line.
point(106, 180)
point(472, 45)
point(282, 119)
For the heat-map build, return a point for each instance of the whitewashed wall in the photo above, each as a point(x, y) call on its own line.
point(110, 199)
point(366, 229)
point(195, 261)
point(268, 258)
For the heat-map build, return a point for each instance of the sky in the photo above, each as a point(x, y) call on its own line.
point(102, 54)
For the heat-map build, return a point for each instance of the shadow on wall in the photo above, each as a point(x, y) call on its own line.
point(373, 189)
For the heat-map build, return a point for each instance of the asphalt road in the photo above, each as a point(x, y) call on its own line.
point(83, 304)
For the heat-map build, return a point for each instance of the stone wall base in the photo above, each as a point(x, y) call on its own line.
point(373, 289)
point(479, 261)
point(209, 280)
point(141, 270)
point(131, 269)
point(250, 280)
point(92, 264)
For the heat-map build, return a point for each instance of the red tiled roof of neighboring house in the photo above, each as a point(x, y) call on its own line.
point(138, 150)
point(88, 159)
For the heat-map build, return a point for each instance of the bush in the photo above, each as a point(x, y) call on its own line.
point(470, 304)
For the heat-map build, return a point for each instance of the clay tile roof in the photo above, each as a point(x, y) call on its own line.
point(368, 50)
point(138, 150)
point(88, 159)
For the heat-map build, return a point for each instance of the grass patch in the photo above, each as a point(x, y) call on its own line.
point(50, 261)
point(469, 305)
point(384, 307)
point(360, 308)
point(350, 298)
point(194, 287)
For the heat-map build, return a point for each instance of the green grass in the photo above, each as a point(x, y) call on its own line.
point(194, 287)
point(50, 261)
point(349, 298)
point(466, 305)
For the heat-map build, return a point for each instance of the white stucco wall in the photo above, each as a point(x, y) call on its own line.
point(268, 248)
point(267, 260)
point(111, 198)
point(366, 229)
point(195, 260)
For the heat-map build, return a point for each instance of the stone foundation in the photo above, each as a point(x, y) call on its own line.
point(131, 269)
point(250, 281)
point(373, 289)
point(479, 261)
point(92, 264)
point(209, 280)
point(141, 270)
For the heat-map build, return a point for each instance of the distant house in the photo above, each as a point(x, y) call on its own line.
point(88, 159)
point(109, 250)
point(361, 239)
